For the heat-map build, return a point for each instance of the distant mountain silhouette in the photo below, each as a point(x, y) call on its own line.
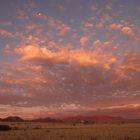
point(47, 119)
point(94, 119)
point(133, 120)
point(90, 119)
point(13, 119)
point(99, 119)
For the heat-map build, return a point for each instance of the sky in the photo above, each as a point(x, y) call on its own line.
point(69, 57)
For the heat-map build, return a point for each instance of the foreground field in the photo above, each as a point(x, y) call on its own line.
point(67, 131)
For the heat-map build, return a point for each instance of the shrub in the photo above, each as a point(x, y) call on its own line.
point(5, 127)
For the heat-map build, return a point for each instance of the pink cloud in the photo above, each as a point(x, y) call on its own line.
point(100, 25)
point(6, 33)
point(108, 44)
point(84, 40)
point(115, 26)
point(97, 43)
point(55, 23)
point(93, 7)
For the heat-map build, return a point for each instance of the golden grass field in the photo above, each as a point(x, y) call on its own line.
point(69, 131)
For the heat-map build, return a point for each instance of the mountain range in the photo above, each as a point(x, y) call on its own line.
point(93, 119)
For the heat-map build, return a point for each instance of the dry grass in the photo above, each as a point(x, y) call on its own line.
point(68, 131)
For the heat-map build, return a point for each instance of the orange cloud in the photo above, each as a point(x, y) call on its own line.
point(131, 62)
point(127, 31)
point(30, 52)
point(80, 56)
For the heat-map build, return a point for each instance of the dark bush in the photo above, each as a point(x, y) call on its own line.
point(5, 128)
point(74, 124)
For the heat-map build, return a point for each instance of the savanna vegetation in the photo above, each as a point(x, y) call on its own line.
point(69, 131)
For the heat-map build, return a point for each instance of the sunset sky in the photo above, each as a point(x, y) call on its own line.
point(69, 57)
